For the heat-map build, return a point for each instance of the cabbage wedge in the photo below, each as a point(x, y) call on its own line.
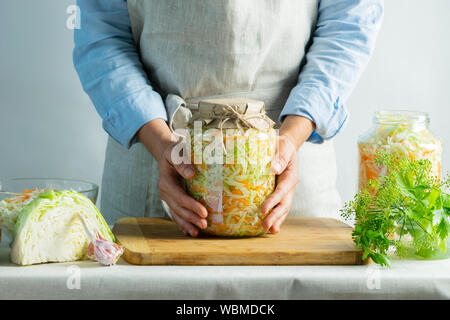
point(49, 229)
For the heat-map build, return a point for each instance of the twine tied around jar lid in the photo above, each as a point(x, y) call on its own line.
point(223, 113)
point(231, 113)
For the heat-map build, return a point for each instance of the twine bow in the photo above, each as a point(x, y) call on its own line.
point(230, 113)
point(216, 113)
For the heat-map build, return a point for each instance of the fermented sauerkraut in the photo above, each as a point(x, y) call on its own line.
point(234, 190)
point(403, 133)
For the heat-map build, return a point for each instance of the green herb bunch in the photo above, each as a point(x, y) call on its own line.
point(406, 208)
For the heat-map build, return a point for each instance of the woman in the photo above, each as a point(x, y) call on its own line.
point(301, 57)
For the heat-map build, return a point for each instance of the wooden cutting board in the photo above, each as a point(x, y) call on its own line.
point(302, 241)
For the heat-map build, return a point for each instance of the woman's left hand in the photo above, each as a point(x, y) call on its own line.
point(293, 132)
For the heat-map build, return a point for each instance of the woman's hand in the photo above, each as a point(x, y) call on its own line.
point(293, 132)
point(189, 214)
point(279, 202)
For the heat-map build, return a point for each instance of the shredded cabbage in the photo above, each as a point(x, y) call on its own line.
point(11, 207)
point(397, 134)
point(234, 190)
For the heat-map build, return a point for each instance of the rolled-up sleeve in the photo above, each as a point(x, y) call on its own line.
point(342, 44)
point(110, 70)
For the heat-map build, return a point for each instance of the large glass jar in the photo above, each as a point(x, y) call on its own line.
point(404, 133)
point(233, 189)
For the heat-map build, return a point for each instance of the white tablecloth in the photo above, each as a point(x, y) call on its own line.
point(88, 280)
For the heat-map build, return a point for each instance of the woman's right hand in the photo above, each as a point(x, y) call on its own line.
point(189, 214)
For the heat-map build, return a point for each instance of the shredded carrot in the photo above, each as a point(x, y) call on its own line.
point(236, 190)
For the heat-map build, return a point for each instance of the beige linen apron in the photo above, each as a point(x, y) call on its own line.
point(198, 49)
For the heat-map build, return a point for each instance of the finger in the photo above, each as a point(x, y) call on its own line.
point(185, 170)
point(189, 216)
point(277, 224)
point(283, 155)
point(181, 163)
point(280, 219)
point(281, 209)
point(172, 189)
point(285, 183)
point(185, 226)
point(285, 207)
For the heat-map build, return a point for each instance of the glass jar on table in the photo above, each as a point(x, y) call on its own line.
point(402, 133)
point(232, 145)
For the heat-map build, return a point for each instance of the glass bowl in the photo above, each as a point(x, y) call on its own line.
point(18, 185)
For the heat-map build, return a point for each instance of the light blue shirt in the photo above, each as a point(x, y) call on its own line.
point(108, 64)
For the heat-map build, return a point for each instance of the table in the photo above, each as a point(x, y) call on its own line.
point(88, 280)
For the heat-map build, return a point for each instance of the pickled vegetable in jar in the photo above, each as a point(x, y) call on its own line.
point(403, 133)
point(232, 143)
point(234, 191)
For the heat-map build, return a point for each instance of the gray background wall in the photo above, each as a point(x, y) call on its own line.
point(48, 126)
